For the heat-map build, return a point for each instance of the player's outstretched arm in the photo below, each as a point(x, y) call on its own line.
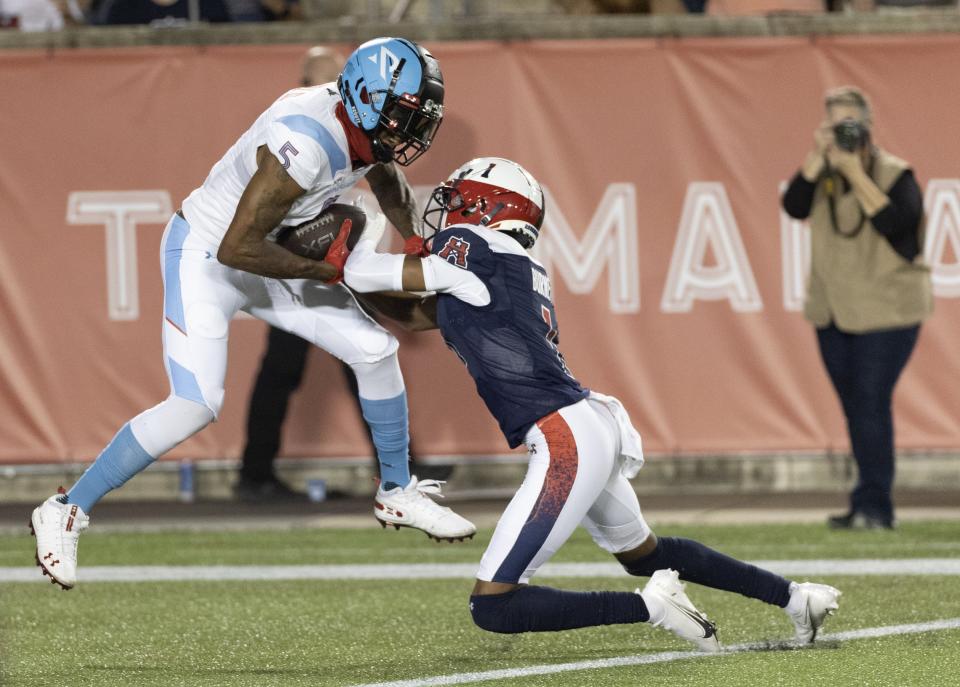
point(264, 203)
point(395, 196)
point(367, 271)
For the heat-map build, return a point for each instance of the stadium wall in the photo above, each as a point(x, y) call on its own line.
point(677, 279)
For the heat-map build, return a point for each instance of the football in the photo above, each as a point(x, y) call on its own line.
point(312, 238)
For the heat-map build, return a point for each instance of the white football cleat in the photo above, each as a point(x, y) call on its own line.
point(57, 527)
point(670, 608)
point(810, 604)
point(411, 507)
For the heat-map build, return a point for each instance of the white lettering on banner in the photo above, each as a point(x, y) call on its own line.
point(120, 212)
point(795, 256)
point(942, 207)
point(610, 240)
point(707, 221)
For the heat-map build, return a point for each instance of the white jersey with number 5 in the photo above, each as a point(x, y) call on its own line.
point(302, 131)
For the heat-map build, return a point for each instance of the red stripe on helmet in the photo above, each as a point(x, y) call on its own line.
point(477, 199)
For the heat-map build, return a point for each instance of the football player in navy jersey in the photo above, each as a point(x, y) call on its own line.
point(494, 308)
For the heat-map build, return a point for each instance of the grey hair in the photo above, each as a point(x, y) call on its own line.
point(850, 95)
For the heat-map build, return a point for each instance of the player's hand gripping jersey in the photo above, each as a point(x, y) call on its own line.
point(302, 131)
point(508, 339)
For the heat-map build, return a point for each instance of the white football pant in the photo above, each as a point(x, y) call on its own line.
point(201, 297)
point(573, 478)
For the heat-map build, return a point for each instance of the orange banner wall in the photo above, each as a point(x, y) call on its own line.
point(676, 277)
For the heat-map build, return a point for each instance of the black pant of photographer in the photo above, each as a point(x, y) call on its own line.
point(864, 369)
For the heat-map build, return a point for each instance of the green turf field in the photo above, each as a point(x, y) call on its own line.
point(367, 631)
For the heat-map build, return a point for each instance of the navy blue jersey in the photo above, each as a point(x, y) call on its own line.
point(510, 345)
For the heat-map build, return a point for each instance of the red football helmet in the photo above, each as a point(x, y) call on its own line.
point(493, 192)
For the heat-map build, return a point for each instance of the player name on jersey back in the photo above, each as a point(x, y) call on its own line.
point(541, 283)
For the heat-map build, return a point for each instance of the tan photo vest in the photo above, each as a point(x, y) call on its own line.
point(860, 283)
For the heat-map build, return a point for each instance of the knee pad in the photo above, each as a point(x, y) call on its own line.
point(171, 422)
point(377, 345)
point(619, 538)
point(367, 343)
point(206, 320)
point(207, 326)
point(379, 380)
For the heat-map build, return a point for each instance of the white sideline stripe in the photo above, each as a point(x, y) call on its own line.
point(443, 571)
point(663, 657)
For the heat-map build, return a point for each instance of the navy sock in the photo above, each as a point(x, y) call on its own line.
point(702, 565)
point(543, 609)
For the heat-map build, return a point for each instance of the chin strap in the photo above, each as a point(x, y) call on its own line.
point(381, 153)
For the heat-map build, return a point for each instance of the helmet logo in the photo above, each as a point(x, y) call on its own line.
point(387, 61)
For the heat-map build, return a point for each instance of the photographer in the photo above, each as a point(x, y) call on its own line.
point(868, 289)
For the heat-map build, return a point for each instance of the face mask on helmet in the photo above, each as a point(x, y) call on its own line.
point(490, 192)
point(408, 125)
point(393, 91)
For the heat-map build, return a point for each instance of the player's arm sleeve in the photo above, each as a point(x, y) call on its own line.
point(367, 271)
point(442, 277)
point(300, 153)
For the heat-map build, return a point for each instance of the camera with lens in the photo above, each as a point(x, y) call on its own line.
point(850, 134)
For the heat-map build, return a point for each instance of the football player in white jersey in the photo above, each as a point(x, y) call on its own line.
point(217, 258)
point(494, 308)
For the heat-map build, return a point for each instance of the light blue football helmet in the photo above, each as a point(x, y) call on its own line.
point(392, 89)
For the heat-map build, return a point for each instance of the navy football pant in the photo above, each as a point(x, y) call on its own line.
point(864, 369)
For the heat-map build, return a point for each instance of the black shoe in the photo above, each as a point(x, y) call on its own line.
point(267, 490)
point(855, 520)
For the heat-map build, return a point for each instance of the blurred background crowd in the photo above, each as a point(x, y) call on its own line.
point(55, 15)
